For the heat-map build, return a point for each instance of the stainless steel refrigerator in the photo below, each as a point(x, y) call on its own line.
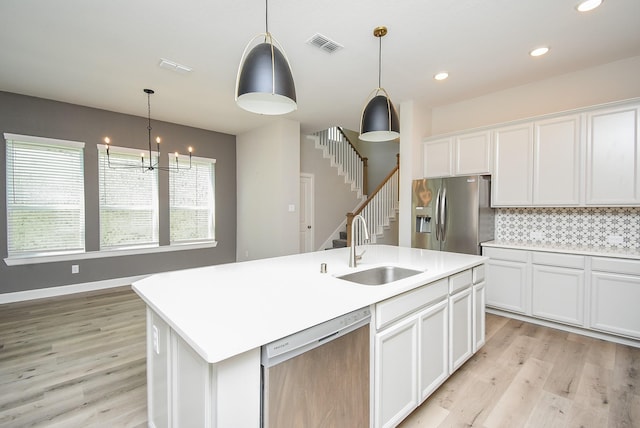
point(452, 214)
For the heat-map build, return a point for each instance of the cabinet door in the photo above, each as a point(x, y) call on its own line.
point(558, 294)
point(613, 157)
point(478, 316)
point(614, 303)
point(460, 328)
point(396, 372)
point(434, 345)
point(557, 151)
point(473, 154)
point(506, 285)
point(513, 168)
point(438, 158)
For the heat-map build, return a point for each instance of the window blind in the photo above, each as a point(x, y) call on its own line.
point(45, 196)
point(192, 202)
point(128, 200)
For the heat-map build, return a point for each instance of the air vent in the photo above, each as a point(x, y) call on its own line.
point(324, 43)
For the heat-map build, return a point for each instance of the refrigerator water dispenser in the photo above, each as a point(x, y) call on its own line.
point(423, 224)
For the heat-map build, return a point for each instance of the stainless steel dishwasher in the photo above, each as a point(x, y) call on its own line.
point(319, 377)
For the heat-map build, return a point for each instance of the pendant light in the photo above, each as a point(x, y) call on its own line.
point(264, 83)
point(379, 118)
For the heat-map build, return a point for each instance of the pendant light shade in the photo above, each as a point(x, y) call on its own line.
point(379, 120)
point(264, 83)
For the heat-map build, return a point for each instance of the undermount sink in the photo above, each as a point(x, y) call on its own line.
point(379, 275)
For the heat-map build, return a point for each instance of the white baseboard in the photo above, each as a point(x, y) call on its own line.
point(21, 296)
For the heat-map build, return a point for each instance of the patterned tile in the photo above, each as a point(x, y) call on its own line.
point(590, 227)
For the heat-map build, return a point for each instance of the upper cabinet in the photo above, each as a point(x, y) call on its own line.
point(613, 158)
point(538, 163)
point(437, 156)
point(473, 153)
point(513, 166)
point(588, 157)
point(464, 154)
point(557, 162)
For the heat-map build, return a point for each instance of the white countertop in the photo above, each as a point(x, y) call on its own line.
point(568, 249)
point(225, 310)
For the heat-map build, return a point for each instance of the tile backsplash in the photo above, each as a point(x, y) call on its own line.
point(604, 228)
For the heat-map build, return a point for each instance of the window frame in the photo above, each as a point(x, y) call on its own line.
point(78, 184)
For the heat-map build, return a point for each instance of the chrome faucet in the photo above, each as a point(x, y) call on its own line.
point(353, 257)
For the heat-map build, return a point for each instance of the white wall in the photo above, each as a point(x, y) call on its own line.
point(268, 182)
point(596, 85)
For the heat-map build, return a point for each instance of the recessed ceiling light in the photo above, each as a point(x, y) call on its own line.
point(587, 5)
point(441, 76)
point(539, 51)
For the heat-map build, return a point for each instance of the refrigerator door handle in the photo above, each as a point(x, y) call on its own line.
point(437, 212)
point(443, 215)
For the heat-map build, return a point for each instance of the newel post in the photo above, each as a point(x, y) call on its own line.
point(349, 221)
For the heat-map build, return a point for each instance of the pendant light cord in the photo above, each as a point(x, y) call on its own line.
point(149, 124)
point(266, 16)
point(380, 63)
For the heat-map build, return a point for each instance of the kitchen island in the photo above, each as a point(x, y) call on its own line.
point(206, 325)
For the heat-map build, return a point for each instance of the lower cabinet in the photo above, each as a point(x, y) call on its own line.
point(461, 327)
point(396, 372)
point(614, 297)
point(422, 337)
point(507, 284)
point(597, 294)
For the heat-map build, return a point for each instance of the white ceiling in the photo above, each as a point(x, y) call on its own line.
point(103, 53)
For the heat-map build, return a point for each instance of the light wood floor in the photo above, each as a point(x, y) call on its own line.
point(80, 361)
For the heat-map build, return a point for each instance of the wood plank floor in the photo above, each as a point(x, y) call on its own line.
point(74, 361)
point(79, 361)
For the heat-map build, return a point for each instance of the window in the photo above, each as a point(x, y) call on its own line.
point(128, 200)
point(192, 202)
point(45, 196)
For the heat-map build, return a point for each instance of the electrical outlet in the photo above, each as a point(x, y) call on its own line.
point(156, 341)
point(615, 239)
point(536, 235)
point(75, 268)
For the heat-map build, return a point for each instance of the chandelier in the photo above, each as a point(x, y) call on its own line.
point(150, 165)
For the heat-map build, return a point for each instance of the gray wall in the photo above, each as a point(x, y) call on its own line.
point(45, 118)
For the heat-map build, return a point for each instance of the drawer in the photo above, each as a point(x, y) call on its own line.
point(397, 307)
point(478, 274)
point(608, 264)
point(556, 259)
point(460, 281)
point(505, 254)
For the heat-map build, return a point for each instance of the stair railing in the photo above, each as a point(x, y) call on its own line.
point(345, 155)
point(379, 207)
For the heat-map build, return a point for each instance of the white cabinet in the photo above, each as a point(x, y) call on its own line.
point(479, 303)
point(438, 157)
point(613, 156)
point(433, 332)
point(615, 293)
point(461, 328)
point(507, 281)
point(557, 161)
point(558, 294)
point(513, 166)
point(421, 337)
point(396, 373)
point(472, 153)
point(183, 390)
point(464, 154)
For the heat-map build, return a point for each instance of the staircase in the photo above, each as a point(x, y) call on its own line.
point(379, 209)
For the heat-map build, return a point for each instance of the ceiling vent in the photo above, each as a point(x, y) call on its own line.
point(324, 43)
